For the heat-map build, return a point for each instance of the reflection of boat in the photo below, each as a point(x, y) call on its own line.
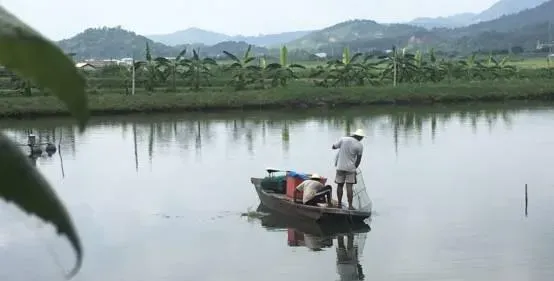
point(277, 221)
point(283, 204)
point(350, 239)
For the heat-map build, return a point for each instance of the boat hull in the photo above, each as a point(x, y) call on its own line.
point(281, 204)
point(274, 221)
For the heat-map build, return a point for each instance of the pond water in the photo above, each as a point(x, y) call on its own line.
point(160, 197)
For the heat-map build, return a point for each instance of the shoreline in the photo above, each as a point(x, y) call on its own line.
point(290, 98)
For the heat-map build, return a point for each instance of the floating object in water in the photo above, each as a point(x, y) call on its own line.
point(50, 149)
point(31, 140)
point(36, 150)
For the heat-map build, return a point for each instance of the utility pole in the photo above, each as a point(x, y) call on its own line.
point(133, 73)
point(133, 77)
point(549, 43)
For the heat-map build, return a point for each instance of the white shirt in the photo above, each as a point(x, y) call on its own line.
point(349, 149)
point(309, 189)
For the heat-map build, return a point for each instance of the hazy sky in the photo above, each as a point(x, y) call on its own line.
point(58, 19)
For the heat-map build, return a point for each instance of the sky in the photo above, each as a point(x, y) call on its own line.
point(59, 19)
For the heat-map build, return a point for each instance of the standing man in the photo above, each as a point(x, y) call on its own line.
point(348, 159)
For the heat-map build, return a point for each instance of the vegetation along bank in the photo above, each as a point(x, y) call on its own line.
point(190, 82)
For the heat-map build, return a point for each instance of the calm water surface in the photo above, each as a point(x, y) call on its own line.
point(160, 197)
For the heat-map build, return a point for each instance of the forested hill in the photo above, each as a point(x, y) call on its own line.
point(107, 43)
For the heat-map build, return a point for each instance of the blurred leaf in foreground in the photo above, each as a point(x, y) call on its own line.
point(32, 56)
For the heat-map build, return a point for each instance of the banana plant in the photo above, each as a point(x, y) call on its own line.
point(151, 69)
point(172, 67)
point(500, 69)
point(282, 72)
point(346, 71)
point(262, 63)
point(432, 68)
point(198, 70)
point(420, 68)
point(401, 67)
point(372, 67)
point(449, 69)
point(244, 73)
point(472, 67)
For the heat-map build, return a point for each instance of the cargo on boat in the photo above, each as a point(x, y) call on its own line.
point(276, 193)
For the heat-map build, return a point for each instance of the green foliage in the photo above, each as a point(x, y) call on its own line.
point(403, 67)
point(282, 72)
point(172, 68)
point(198, 70)
point(243, 71)
point(30, 55)
point(247, 72)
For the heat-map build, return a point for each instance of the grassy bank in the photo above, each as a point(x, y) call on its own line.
point(295, 96)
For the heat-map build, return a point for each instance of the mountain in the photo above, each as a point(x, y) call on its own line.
point(195, 35)
point(234, 47)
point(457, 20)
point(497, 10)
point(272, 40)
point(525, 37)
point(191, 35)
point(115, 42)
point(353, 30)
point(542, 13)
point(522, 29)
point(107, 43)
point(506, 7)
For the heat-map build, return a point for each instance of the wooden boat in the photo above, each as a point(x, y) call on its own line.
point(282, 204)
point(276, 221)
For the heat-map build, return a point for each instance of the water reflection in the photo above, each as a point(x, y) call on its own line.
point(197, 131)
point(348, 241)
point(526, 201)
point(461, 192)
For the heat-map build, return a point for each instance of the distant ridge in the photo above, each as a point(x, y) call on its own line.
point(195, 35)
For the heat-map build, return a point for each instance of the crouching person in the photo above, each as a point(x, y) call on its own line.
point(314, 191)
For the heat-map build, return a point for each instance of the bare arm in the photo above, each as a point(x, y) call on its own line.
point(337, 145)
point(359, 158)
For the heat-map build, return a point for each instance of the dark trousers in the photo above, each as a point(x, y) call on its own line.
point(320, 196)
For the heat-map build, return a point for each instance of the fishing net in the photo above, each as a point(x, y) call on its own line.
point(360, 199)
point(277, 184)
point(359, 241)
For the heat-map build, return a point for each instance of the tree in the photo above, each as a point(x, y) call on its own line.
point(30, 55)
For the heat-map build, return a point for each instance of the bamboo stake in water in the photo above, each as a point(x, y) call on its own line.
point(526, 200)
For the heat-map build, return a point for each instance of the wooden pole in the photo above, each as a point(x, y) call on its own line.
point(133, 77)
point(526, 200)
